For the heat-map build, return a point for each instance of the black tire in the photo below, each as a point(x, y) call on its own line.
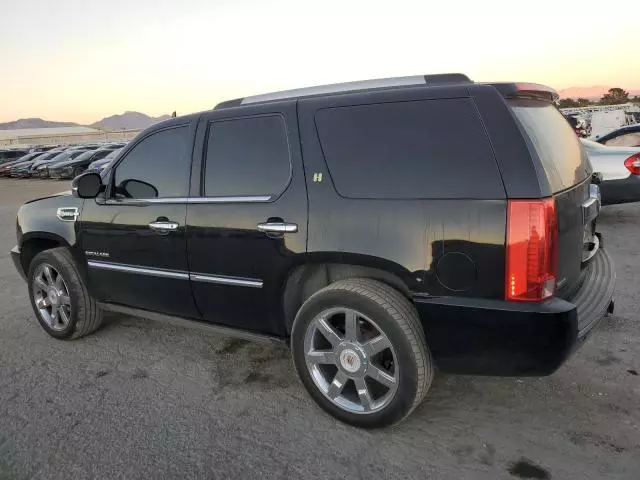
point(85, 316)
point(398, 320)
point(78, 171)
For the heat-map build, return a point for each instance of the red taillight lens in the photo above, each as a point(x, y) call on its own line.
point(633, 164)
point(532, 250)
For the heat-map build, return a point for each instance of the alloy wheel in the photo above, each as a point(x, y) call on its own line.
point(351, 360)
point(51, 297)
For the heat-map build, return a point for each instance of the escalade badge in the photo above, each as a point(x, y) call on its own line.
point(67, 214)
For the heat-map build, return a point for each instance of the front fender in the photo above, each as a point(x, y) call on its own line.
point(39, 219)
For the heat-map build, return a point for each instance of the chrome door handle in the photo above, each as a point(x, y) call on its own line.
point(164, 226)
point(278, 227)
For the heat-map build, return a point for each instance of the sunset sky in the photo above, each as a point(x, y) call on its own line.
point(81, 60)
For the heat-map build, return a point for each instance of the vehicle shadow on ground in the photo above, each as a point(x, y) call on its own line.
point(239, 363)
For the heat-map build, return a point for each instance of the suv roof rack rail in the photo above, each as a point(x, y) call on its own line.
point(414, 80)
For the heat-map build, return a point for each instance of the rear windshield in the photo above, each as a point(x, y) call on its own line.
point(564, 161)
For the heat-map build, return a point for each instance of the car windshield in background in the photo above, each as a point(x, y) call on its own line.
point(113, 154)
point(552, 138)
point(87, 155)
point(98, 155)
point(77, 153)
point(46, 156)
point(59, 157)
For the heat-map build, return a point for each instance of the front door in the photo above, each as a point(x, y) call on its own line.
point(249, 223)
point(134, 237)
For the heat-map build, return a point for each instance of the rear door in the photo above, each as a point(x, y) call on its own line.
point(567, 170)
point(247, 223)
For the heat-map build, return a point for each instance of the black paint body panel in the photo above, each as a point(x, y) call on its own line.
point(447, 254)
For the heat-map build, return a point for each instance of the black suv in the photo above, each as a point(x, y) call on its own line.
point(382, 228)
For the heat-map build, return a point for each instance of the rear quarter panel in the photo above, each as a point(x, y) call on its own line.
point(436, 246)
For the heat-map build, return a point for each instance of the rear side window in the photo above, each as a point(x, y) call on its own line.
point(417, 149)
point(550, 135)
point(247, 157)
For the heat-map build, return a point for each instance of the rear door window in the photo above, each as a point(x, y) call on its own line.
point(247, 157)
point(548, 133)
point(403, 150)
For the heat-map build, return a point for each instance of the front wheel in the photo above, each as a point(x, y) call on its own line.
point(59, 296)
point(360, 351)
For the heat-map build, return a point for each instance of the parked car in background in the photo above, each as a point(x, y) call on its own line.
point(5, 168)
point(41, 170)
point(21, 170)
point(100, 165)
point(74, 166)
point(465, 237)
point(47, 156)
point(10, 154)
point(24, 169)
point(620, 170)
point(627, 136)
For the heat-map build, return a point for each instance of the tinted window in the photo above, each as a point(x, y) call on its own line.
point(76, 153)
point(58, 157)
point(419, 149)
point(100, 154)
point(248, 156)
point(631, 139)
point(162, 160)
point(86, 155)
point(557, 145)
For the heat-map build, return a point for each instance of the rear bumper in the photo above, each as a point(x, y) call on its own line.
point(494, 337)
point(17, 261)
point(625, 190)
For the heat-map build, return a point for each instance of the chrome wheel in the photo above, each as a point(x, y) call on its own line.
point(51, 297)
point(351, 360)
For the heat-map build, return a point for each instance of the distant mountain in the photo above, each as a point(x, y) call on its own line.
point(34, 123)
point(127, 121)
point(592, 93)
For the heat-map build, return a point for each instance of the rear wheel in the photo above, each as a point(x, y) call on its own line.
point(59, 296)
point(360, 351)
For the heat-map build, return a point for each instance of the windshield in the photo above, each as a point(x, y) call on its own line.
point(550, 135)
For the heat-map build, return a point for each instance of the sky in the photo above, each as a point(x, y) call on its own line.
point(82, 60)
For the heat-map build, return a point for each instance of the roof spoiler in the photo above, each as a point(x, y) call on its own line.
point(527, 90)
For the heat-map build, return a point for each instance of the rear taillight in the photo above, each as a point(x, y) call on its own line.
point(532, 250)
point(633, 164)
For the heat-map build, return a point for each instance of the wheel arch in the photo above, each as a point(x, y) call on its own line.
point(316, 271)
point(35, 242)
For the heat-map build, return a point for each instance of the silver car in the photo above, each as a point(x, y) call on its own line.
point(620, 169)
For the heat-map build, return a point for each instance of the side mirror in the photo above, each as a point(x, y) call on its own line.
point(137, 189)
point(88, 185)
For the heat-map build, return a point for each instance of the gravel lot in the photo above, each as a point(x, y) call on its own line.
point(143, 400)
